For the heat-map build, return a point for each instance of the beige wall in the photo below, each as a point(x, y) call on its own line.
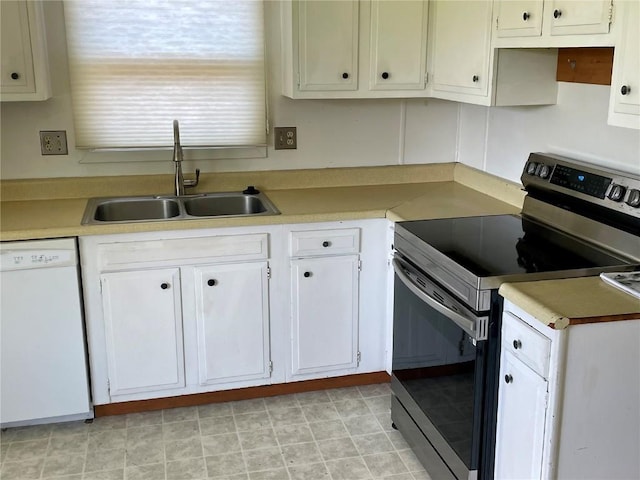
point(330, 133)
point(335, 133)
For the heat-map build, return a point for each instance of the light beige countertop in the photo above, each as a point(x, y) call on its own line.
point(572, 301)
point(39, 209)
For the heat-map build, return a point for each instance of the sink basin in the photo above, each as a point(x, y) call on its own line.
point(127, 210)
point(169, 208)
point(217, 205)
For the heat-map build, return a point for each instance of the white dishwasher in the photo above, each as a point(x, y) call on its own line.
point(43, 368)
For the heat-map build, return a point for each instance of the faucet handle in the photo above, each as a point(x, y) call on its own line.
point(193, 183)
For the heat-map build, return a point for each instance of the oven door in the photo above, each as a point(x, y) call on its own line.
point(438, 374)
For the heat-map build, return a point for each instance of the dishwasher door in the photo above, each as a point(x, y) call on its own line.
point(43, 368)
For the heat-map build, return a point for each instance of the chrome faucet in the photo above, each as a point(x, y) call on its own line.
point(179, 182)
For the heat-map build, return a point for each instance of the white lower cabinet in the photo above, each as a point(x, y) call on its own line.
point(181, 312)
point(143, 328)
point(521, 389)
point(232, 314)
point(324, 323)
point(174, 313)
point(568, 399)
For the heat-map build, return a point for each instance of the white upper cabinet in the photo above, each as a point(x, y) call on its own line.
point(519, 18)
point(398, 45)
point(553, 23)
point(624, 104)
point(24, 72)
point(327, 45)
point(461, 46)
point(465, 66)
point(354, 49)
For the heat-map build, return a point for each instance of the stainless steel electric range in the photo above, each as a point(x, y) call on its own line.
point(577, 220)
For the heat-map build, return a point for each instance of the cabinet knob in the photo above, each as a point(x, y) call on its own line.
point(557, 13)
point(475, 78)
point(517, 344)
point(385, 75)
point(15, 75)
point(307, 274)
point(508, 378)
point(326, 244)
point(164, 286)
point(345, 75)
point(211, 282)
point(625, 90)
point(526, 16)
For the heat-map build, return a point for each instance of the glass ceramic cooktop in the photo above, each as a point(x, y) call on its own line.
point(507, 244)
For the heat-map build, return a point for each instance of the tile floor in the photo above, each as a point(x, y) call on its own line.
point(340, 434)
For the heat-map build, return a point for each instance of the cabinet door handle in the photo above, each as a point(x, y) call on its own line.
point(164, 285)
point(625, 90)
point(475, 78)
point(557, 13)
point(326, 244)
point(385, 75)
point(15, 75)
point(517, 344)
point(211, 282)
point(307, 274)
point(345, 75)
point(526, 16)
point(508, 378)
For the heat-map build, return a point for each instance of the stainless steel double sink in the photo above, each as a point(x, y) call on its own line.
point(166, 207)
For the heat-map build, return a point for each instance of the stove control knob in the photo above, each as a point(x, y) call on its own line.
point(544, 171)
point(634, 198)
point(617, 193)
point(531, 168)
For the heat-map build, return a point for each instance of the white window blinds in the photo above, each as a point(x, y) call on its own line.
point(136, 65)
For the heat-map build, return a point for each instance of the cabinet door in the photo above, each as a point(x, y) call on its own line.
point(232, 313)
point(625, 83)
point(522, 407)
point(328, 45)
point(519, 18)
point(143, 327)
point(578, 17)
point(462, 36)
point(16, 59)
point(324, 324)
point(398, 45)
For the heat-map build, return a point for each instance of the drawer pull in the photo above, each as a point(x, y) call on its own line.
point(307, 274)
point(164, 285)
point(326, 244)
point(211, 282)
point(517, 344)
point(508, 378)
point(526, 16)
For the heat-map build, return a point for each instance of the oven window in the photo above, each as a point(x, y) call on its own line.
point(435, 361)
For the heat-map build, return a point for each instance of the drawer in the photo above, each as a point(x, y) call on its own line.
point(223, 248)
point(325, 242)
point(526, 344)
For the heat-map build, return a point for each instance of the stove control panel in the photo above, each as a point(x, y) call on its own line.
point(612, 189)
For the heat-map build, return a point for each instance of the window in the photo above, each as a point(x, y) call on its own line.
point(136, 65)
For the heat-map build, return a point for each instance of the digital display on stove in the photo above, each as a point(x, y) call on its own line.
point(580, 181)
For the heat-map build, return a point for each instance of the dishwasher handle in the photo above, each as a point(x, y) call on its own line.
point(472, 326)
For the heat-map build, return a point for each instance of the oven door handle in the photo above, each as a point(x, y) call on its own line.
point(466, 324)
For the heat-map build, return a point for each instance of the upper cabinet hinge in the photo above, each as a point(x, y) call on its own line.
point(270, 367)
point(426, 78)
point(359, 265)
point(359, 358)
point(268, 272)
point(497, 22)
point(298, 79)
point(109, 387)
point(610, 12)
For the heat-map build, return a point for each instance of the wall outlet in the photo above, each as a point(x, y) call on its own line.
point(53, 142)
point(285, 138)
